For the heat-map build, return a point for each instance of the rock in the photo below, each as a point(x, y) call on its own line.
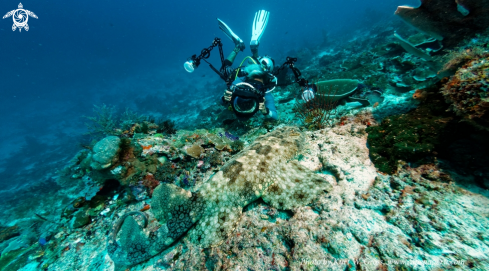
point(105, 152)
point(80, 219)
point(8, 232)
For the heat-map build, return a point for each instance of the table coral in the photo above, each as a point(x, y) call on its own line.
point(261, 171)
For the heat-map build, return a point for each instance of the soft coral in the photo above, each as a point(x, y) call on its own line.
point(150, 182)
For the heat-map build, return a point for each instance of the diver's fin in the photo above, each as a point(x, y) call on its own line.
point(225, 28)
point(259, 24)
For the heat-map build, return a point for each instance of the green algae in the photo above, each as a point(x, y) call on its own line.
point(14, 260)
point(414, 137)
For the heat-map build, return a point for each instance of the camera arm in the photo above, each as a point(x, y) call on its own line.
point(206, 53)
point(289, 62)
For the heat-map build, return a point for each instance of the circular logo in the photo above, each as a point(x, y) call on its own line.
point(20, 17)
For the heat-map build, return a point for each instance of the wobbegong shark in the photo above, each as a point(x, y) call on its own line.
point(264, 170)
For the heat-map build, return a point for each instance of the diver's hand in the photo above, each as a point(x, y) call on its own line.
point(308, 95)
point(227, 95)
point(263, 109)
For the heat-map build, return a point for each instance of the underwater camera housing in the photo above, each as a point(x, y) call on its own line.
point(246, 93)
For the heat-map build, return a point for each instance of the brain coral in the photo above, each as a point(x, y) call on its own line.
point(263, 170)
point(468, 90)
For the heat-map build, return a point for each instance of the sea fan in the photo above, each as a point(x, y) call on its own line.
point(316, 113)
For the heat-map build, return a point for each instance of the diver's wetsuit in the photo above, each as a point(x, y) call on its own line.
point(269, 102)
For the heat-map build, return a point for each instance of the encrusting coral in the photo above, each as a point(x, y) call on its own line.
point(414, 137)
point(195, 150)
point(467, 91)
point(263, 170)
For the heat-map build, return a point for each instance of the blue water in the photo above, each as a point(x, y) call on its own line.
point(130, 54)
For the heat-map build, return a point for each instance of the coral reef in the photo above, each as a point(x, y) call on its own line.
point(8, 232)
point(103, 122)
point(215, 159)
point(129, 118)
point(467, 91)
point(413, 137)
point(317, 113)
point(439, 18)
point(150, 182)
point(195, 150)
point(237, 146)
point(217, 206)
point(457, 58)
point(105, 153)
point(398, 184)
point(166, 126)
point(220, 142)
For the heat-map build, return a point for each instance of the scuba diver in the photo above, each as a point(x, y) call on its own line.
point(251, 85)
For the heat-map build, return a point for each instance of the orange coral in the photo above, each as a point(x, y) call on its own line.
point(467, 90)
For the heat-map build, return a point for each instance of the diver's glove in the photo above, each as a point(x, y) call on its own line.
point(239, 46)
point(227, 95)
point(308, 95)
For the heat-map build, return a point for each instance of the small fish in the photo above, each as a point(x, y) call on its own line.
point(145, 208)
point(286, 33)
point(42, 241)
point(203, 75)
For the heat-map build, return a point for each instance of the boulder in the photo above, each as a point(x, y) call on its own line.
point(80, 219)
point(105, 153)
